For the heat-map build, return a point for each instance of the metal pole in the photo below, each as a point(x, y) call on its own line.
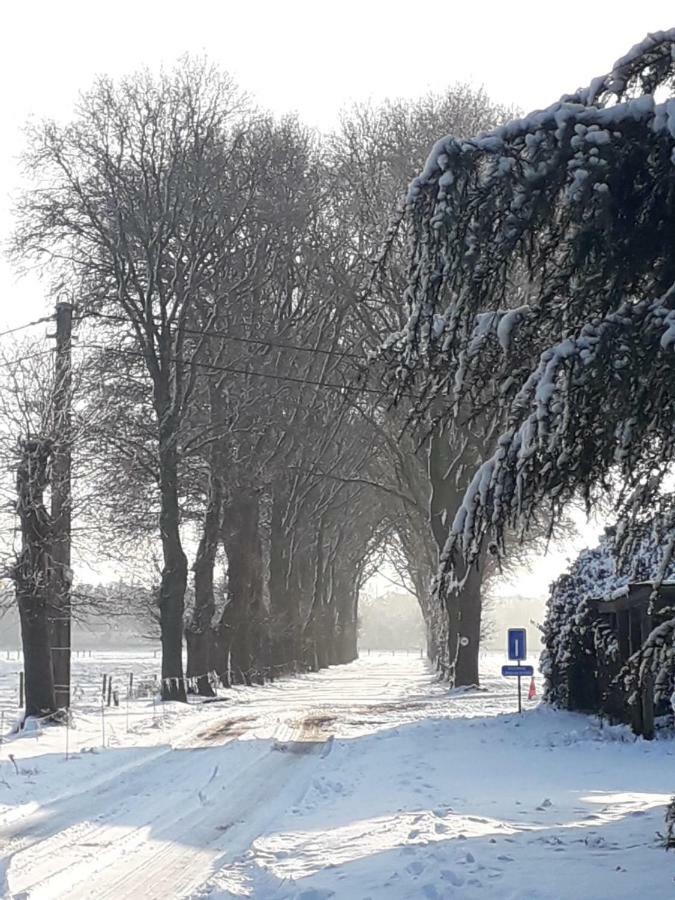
point(520, 701)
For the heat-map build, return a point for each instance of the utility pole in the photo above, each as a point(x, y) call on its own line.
point(61, 511)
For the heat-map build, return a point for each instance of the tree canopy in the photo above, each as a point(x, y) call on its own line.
point(541, 286)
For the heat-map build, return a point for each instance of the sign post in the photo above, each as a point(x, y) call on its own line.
point(517, 650)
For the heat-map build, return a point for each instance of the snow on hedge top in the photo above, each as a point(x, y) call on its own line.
point(596, 573)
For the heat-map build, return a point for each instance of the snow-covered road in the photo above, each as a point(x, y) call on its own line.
point(362, 781)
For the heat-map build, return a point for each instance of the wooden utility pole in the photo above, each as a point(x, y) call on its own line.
point(61, 511)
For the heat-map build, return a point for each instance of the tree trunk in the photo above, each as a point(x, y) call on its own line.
point(462, 605)
point(284, 607)
point(317, 627)
point(174, 574)
point(243, 619)
point(470, 610)
point(199, 632)
point(32, 578)
point(448, 631)
point(344, 598)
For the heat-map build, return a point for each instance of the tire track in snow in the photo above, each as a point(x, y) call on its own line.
point(172, 847)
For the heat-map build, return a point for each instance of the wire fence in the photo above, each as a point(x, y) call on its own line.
point(115, 694)
point(119, 692)
point(109, 694)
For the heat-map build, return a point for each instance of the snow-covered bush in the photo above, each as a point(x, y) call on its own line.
point(579, 649)
point(670, 825)
point(569, 640)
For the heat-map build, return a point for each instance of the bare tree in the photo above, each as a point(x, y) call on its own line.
point(131, 200)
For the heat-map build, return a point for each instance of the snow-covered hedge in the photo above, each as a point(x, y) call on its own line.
point(576, 645)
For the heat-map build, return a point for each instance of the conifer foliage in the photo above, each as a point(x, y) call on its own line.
point(541, 289)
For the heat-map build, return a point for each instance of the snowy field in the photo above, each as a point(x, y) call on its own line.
point(362, 781)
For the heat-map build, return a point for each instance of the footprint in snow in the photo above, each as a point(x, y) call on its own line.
point(315, 894)
point(441, 811)
point(454, 878)
point(595, 840)
point(415, 868)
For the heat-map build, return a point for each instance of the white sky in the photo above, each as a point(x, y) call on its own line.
point(309, 56)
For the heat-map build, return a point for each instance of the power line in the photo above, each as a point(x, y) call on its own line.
point(233, 370)
point(49, 318)
point(209, 332)
point(6, 363)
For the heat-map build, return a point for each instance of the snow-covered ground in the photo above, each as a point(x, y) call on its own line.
point(362, 781)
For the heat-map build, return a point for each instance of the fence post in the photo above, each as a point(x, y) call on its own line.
point(103, 686)
point(109, 689)
point(21, 689)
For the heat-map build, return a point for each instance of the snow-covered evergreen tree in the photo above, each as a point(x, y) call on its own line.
point(542, 289)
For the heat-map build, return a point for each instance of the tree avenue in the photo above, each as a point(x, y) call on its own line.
point(298, 355)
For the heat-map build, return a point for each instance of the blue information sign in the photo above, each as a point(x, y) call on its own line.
point(517, 643)
point(517, 671)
